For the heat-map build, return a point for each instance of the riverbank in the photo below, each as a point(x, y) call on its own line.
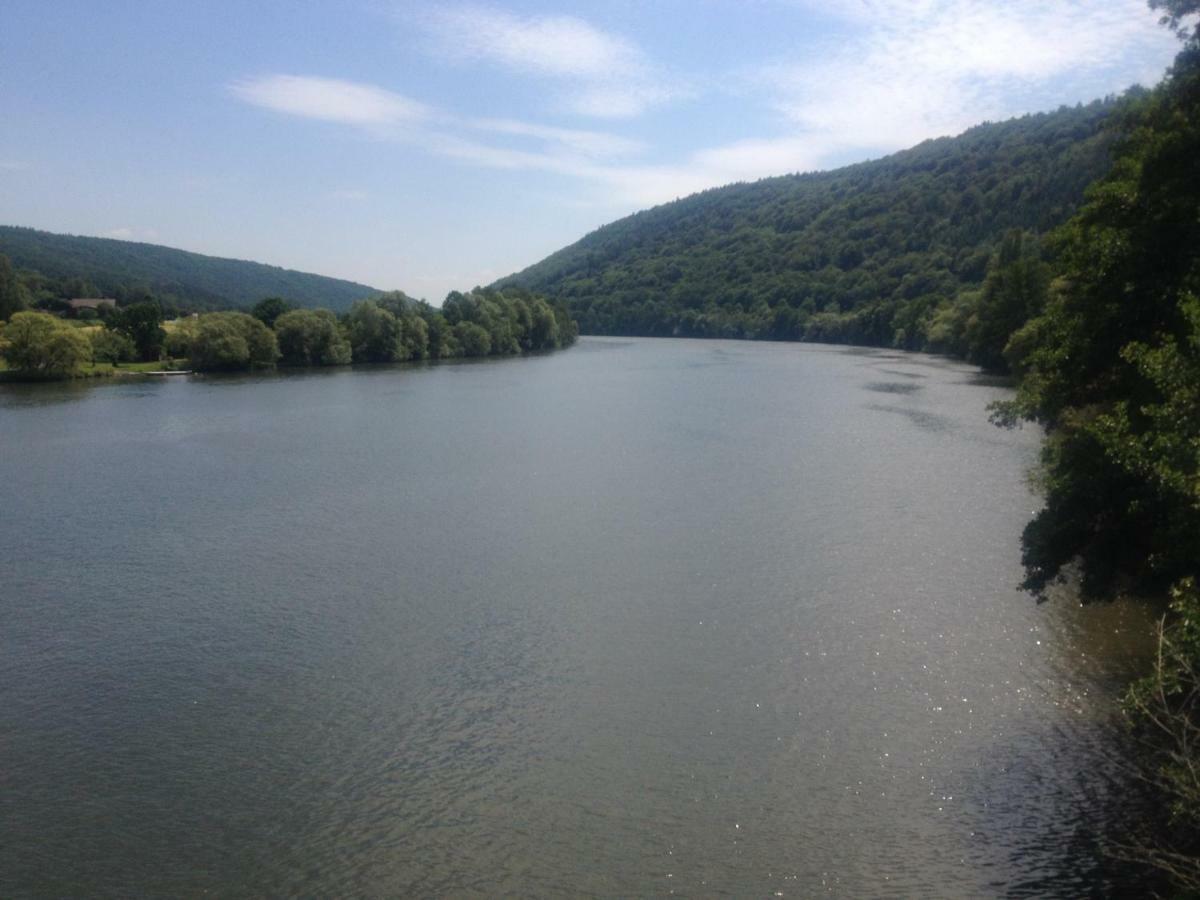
point(94, 370)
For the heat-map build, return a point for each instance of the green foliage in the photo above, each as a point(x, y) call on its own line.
point(1013, 292)
point(39, 345)
point(442, 343)
point(142, 324)
point(871, 254)
point(390, 328)
point(414, 331)
point(112, 347)
point(269, 309)
point(311, 338)
point(229, 341)
point(514, 320)
point(374, 332)
point(1174, 12)
point(69, 266)
point(179, 338)
point(1112, 367)
point(484, 322)
point(12, 296)
point(473, 339)
point(1164, 709)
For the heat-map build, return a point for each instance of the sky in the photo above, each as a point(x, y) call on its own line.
point(430, 147)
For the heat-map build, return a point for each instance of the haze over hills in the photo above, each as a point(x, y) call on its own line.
point(117, 268)
point(870, 253)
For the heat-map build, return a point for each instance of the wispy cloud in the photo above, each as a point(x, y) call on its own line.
point(907, 70)
point(350, 194)
point(635, 186)
point(593, 144)
point(599, 74)
point(329, 99)
point(509, 143)
point(129, 233)
point(550, 45)
point(915, 69)
point(12, 165)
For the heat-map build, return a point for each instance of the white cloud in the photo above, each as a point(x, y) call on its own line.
point(600, 74)
point(329, 99)
point(593, 144)
point(547, 148)
point(128, 233)
point(914, 69)
point(905, 71)
point(551, 45)
point(639, 186)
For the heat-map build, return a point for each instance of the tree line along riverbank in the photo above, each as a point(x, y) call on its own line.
point(36, 345)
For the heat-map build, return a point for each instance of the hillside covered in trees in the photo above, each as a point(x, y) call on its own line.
point(129, 271)
point(889, 252)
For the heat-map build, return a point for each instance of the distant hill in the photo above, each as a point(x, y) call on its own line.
point(125, 268)
point(864, 254)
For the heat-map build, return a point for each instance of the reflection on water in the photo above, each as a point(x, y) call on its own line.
point(902, 373)
point(929, 421)
point(640, 617)
point(892, 387)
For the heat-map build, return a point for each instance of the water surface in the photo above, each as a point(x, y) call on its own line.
point(639, 617)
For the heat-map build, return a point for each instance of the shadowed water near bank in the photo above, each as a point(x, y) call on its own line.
point(637, 617)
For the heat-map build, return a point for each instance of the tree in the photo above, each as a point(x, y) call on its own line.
point(142, 324)
point(39, 345)
point(179, 339)
point(112, 347)
point(311, 337)
point(414, 332)
point(1111, 367)
point(543, 327)
point(374, 333)
point(441, 341)
point(231, 341)
point(12, 297)
point(269, 309)
point(1174, 12)
point(473, 339)
point(1013, 292)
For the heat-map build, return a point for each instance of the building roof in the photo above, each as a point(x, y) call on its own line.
point(90, 302)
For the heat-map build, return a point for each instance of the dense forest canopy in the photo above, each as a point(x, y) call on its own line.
point(873, 253)
point(57, 266)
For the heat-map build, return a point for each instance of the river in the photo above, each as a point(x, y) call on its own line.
point(639, 617)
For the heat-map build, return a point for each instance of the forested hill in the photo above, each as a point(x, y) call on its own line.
point(128, 270)
point(870, 253)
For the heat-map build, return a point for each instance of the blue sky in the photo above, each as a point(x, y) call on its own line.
point(436, 146)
